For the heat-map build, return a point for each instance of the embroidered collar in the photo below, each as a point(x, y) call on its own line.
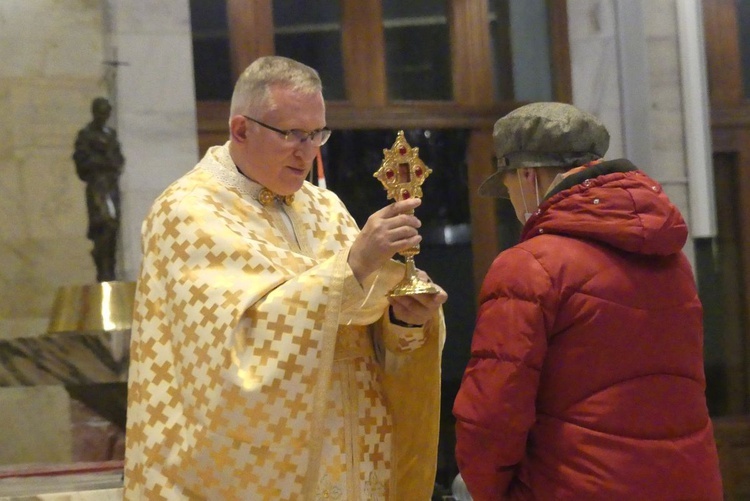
point(265, 196)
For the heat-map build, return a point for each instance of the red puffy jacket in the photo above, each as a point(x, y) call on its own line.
point(586, 375)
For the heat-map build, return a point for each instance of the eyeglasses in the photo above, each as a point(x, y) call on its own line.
point(317, 137)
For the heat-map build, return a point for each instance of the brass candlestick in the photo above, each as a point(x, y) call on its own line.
point(402, 173)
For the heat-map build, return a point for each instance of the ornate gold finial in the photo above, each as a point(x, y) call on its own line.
point(402, 173)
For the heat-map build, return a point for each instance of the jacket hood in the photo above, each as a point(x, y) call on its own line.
point(615, 204)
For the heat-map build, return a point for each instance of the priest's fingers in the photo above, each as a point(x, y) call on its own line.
point(391, 229)
point(419, 308)
point(403, 206)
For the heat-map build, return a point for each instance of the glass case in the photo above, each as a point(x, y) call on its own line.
point(211, 63)
point(310, 32)
point(743, 19)
point(522, 69)
point(417, 50)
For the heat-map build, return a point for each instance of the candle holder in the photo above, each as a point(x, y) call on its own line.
point(402, 173)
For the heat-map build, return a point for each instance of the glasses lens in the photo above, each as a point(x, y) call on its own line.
point(298, 135)
point(322, 136)
point(317, 137)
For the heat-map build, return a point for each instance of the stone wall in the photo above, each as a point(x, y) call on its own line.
point(635, 91)
point(51, 54)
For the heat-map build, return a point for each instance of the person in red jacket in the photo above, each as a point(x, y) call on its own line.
point(586, 376)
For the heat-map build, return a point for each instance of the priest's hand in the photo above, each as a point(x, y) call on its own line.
point(417, 309)
point(386, 232)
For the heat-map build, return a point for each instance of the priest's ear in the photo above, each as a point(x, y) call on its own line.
point(238, 128)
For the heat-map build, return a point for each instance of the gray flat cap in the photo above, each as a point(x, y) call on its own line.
point(544, 135)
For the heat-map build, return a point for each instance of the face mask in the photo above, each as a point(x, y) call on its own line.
point(526, 214)
point(558, 179)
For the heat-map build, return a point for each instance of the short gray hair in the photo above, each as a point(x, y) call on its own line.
point(251, 92)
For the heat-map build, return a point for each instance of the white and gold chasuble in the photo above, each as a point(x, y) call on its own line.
point(260, 368)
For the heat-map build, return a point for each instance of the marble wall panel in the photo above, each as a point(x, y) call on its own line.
point(36, 421)
point(6, 145)
point(12, 221)
point(156, 96)
point(49, 115)
point(11, 328)
point(12, 257)
point(51, 196)
point(33, 271)
point(162, 152)
point(150, 16)
point(594, 66)
point(667, 144)
point(667, 131)
point(664, 63)
point(660, 19)
point(136, 204)
point(49, 37)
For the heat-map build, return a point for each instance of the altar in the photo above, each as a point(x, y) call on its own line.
point(79, 368)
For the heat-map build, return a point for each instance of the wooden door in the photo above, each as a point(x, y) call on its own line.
point(727, 22)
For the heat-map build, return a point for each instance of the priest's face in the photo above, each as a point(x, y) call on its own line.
point(279, 161)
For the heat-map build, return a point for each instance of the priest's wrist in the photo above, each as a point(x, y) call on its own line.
point(396, 321)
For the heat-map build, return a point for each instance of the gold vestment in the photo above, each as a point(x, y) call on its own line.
point(260, 368)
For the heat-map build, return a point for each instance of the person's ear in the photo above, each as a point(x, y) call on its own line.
point(238, 128)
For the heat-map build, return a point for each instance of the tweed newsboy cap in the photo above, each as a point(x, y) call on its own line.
point(544, 135)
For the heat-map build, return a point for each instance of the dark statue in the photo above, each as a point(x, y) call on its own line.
point(99, 164)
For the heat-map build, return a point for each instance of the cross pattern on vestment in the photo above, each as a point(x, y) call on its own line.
point(294, 302)
point(279, 429)
point(203, 239)
point(265, 353)
point(136, 433)
point(296, 406)
point(222, 457)
point(273, 390)
point(216, 259)
point(148, 348)
point(154, 308)
point(171, 230)
point(161, 372)
point(290, 367)
point(199, 291)
point(279, 328)
point(232, 297)
point(319, 232)
point(317, 316)
point(179, 312)
point(216, 418)
point(314, 211)
point(209, 315)
point(180, 250)
point(172, 434)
